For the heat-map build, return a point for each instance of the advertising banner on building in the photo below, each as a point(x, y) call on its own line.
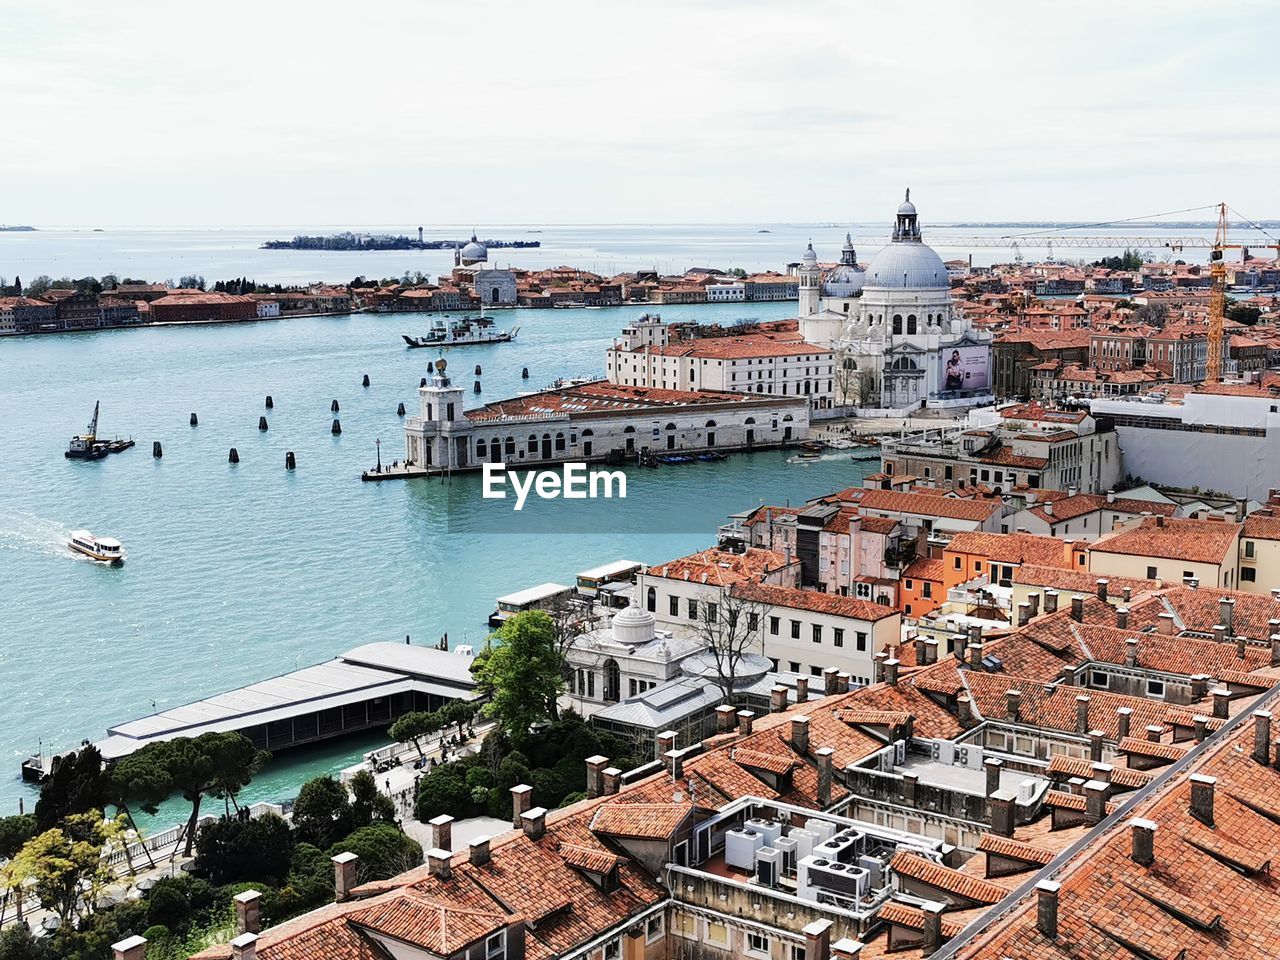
point(965, 369)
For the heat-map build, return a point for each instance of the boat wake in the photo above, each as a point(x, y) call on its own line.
point(29, 533)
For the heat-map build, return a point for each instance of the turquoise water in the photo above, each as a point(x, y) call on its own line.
point(239, 573)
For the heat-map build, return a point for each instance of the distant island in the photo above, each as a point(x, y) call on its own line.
point(5, 228)
point(365, 241)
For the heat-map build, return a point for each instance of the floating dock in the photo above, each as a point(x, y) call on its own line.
point(361, 689)
point(401, 471)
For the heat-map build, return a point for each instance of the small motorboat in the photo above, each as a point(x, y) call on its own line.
point(102, 549)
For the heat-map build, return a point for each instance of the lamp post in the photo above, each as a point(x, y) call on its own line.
point(378, 443)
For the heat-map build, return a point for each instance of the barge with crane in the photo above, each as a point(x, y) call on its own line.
point(87, 446)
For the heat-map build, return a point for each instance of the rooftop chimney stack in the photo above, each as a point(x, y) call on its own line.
point(534, 822)
point(1033, 598)
point(248, 912)
point(1122, 721)
point(479, 851)
point(1095, 796)
point(612, 780)
point(665, 743)
point(1096, 738)
point(1220, 633)
point(1024, 613)
point(131, 948)
point(891, 672)
point(1262, 736)
point(928, 651)
point(1131, 651)
point(993, 766)
point(1082, 713)
point(674, 759)
point(244, 947)
point(1051, 601)
point(438, 863)
point(1000, 804)
point(817, 940)
point(1201, 725)
point(1154, 732)
point(1077, 608)
point(964, 708)
point(800, 735)
point(975, 633)
point(1164, 624)
point(975, 655)
point(1240, 642)
point(726, 717)
point(830, 683)
point(825, 757)
point(1226, 613)
point(521, 801)
point(1143, 833)
point(1126, 593)
point(843, 680)
point(1221, 702)
point(1102, 584)
point(778, 699)
point(802, 689)
point(595, 778)
point(932, 911)
point(1013, 704)
point(345, 868)
point(441, 832)
point(1122, 618)
point(1047, 908)
point(745, 720)
point(1068, 676)
point(1202, 798)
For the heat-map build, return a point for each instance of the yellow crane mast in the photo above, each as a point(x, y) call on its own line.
point(1217, 299)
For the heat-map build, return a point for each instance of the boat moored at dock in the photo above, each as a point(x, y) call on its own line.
point(102, 549)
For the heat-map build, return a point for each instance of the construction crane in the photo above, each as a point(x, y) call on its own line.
point(1217, 299)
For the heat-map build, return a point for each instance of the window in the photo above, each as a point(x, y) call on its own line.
point(753, 622)
point(956, 563)
point(838, 636)
point(1248, 574)
point(613, 949)
point(711, 613)
point(653, 928)
point(1151, 573)
point(795, 666)
point(815, 671)
point(817, 633)
point(797, 951)
point(758, 944)
point(1155, 688)
point(675, 606)
point(977, 566)
point(686, 925)
point(496, 946)
point(795, 629)
point(773, 626)
point(1099, 679)
point(1248, 549)
point(651, 599)
point(693, 609)
point(927, 589)
point(717, 933)
point(862, 642)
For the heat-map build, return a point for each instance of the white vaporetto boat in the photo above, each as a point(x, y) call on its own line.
point(102, 549)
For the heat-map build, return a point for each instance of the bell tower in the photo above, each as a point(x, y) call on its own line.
point(810, 283)
point(442, 418)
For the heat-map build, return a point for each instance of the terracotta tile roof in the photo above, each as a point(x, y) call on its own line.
point(649, 821)
point(1198, 541)
point(1055, 708)
point(905, 915)
point(920, 504)
point(873, 718)
point(1085, 503)
point(440, 927)
point(923, 569)
point(1014, 849)
point(1261, 527)
point(1078, 581)
point(586, 858)
point(1150, 748)
point(828, 603)
point(1064, 766)
point(759, 760)
point(603, 396)
point(1009, 547)
point(1185, 655)
point(720, 568)
point(1068, 801)
point(1197, 611)
point(925, 871)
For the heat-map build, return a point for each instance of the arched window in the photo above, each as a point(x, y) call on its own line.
point(480, 448)
point(750, 420)
point(651, 600)
point(510, 448)
point(588, 433)
point(711, 423)
point(629, 430)
point(911, 323)
point(559, 442)
point(670, 426)
point(897, 323)
point(533, 443)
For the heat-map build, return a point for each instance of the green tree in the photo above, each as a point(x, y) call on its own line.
point(141, 779)
point(322, 811)
point(1243, 313)
point(521, 674)
point(14, 832)
point(191, 281)
point(66, 867)
point(231, 850)
point(368, 804)
point(41, 284)
point(77, 783)
point(445, 790)
point(383, 849)
point(17, 943)
point(412, 727)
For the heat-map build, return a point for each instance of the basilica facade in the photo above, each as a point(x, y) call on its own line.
point(898, 343)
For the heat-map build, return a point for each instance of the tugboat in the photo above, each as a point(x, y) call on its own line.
point(87, 446)
point(102, 549)
point(461, 333)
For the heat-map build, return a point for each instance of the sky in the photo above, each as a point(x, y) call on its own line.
point(137, 112)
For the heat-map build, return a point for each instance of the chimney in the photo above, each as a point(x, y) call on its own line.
point(1164, 624)
point(438, 864)
point(1262, 736)
point(479, 851)
point(1126, 593)
point(975, 633)
point(534, 822)
point(248, 912)
point(1160, 521)
point(846, 949)
point(1122, 618)
point(726, 717)
point(612, 780)
point(959, 645)
point(1131, 651)
point(1095, 795)
point(1226, 612)
point(975, 655)
point(1193, 583)
point(1047, 508)
point(1143, 834)
point(1077, 608)
point(1024, 613)
point(521, 800)
point(802, 689)
point(1082, 713)
point(1001, 804)
point(1096, 737)
point(1221, 702)
point(1240, 642)
point(1068, 676)
point(1122, 722)
point(244, 947)
point(1051, 601)
point(674, 760)
point(131, 948)
point(1102, 588)
point(1202, 798)
point(1012, 704)
point(745, 718)
point(1275, 650)
point(964, 709)
point(595, 769)
point(666, 742)
point(877, 668)
point(1033, 598)
point(1047, 908)
point(441, 832)
point(1201, 725)
point(1069, 553)
point(1111, 496)
point(928, 651)
point(891, 672)
point(1102, 772)
point(830, 682)
point(843, 680)
point(1154, 731)
point(1220, 633)
point(345, 867)
point(824, 757)
point(1199, 686)
point(993, 767)
point(910, 789)
point(800, 735)
point(817, 940)
point(778, 699)
point(932, 911)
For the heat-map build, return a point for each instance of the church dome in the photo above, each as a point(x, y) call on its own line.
point(634, 626)
point(844, 280)
point(906, 207)
point(475, 250)
point(907, 266)
point(810, 257)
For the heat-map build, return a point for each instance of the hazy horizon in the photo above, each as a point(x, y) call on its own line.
point(693, 112)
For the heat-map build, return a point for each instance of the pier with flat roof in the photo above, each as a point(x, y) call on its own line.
point(361, 689)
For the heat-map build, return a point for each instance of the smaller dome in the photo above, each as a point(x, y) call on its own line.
point(848, 243)
point(634, 625)
point(475, 250)
point(906, 207)
point(809, 255)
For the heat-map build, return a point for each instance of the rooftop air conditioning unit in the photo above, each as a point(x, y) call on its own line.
point(823, 829)
point(876, 871)
point(805, 840)
point(771, 830)
point(787, 847)
point(1026, 791)
point(819, 874)
point(946, 752)
point(740, 848)
point(768, 866)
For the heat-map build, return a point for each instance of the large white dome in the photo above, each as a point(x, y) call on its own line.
point(907, 266)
